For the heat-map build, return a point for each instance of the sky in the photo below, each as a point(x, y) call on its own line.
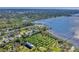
point(77, 8)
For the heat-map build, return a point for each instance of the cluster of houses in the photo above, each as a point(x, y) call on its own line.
point(11, 34)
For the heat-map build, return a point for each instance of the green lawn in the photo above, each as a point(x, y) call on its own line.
point(44, 42)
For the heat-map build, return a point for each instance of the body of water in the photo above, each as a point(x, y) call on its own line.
point(66, 27)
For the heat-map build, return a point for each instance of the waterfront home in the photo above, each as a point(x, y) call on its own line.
point(40, 26)
point(35, 31)
point(28, 45)
point(29, 33)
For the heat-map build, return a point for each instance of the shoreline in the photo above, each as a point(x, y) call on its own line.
point(58, 37)
point(54, 34)
point(61, 38)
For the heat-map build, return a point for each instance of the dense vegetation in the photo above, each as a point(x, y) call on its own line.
point(35, 13)
point(42, 43)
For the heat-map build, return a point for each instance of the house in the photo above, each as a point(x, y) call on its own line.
point(29, 33)
point(10, 34)
point(10, 38)
point(6, 41)
point(28, 45)
point(39, 25)
point(17, 36)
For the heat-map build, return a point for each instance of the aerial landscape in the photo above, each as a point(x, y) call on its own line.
point(39, 29)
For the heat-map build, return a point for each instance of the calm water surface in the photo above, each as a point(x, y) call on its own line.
point(66, 27)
